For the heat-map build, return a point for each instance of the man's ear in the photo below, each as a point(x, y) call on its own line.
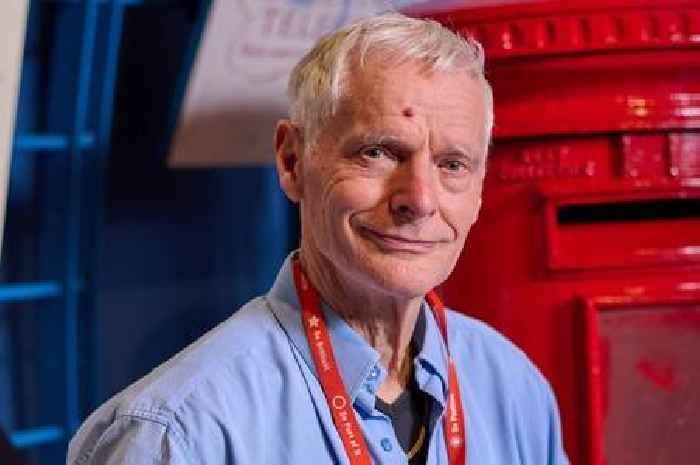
point(289, 146)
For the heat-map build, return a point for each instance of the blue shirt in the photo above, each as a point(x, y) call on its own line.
point(246, 393)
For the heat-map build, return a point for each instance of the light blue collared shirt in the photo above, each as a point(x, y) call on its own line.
point(246, 393)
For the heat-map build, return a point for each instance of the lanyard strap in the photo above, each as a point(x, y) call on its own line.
point(339, 401)
point(455, 431)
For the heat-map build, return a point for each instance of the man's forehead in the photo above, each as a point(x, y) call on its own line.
point(411, 96)
point(410, 92)
point(401, 75)
point(406, 89)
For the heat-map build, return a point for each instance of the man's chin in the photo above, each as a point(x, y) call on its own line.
point(406, 284)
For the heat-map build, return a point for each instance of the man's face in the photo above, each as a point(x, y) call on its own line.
point(393, 184)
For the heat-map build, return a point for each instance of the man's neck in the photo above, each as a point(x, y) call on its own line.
point(385, 322)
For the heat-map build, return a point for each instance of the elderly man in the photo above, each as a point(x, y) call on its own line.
point(351, 357)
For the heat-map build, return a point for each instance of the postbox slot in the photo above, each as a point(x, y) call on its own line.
point(624, 233)
point(629, 211)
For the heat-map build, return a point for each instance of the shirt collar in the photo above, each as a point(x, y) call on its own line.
point(358, 362)
point(430, 365)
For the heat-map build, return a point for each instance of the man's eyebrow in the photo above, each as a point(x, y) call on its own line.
point(389, 140)
point(399, 145)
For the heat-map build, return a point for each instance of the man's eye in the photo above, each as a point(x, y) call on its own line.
point(454, 165)
point(373, 153)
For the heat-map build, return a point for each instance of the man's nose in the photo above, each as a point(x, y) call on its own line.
point(414, 193)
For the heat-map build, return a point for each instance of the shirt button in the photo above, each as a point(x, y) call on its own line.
point(386, 444)
point(374, 373)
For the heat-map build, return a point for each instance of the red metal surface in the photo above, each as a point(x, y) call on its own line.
point(637, 60)
point(592, 193)
point(628, 378)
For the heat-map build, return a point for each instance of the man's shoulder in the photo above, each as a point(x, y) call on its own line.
point(466, 328)
point(507, 390)
point(479, 343)
point(232, 345)
point(209, 371)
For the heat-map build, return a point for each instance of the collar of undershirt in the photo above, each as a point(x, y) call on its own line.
point(409, 415)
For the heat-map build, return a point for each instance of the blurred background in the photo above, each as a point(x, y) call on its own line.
point(142, 208)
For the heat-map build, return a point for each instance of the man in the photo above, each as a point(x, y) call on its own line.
point(350, 358)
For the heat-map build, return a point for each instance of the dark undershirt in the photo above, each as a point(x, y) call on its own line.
point(409, 415)
point(410, 412)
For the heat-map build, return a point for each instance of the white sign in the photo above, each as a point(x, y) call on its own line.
point(236, 90)
point(13, 19)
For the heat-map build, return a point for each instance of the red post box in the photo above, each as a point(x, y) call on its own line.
point(587, 250)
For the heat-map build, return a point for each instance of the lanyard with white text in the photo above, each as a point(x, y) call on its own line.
point(337, 397)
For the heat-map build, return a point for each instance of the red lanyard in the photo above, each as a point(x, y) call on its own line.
point(338, 399)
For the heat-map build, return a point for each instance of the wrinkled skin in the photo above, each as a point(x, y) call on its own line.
point(393, 183)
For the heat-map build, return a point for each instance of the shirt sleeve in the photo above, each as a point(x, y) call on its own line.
point(130, 440)
point(556, 455)
point(540, 426)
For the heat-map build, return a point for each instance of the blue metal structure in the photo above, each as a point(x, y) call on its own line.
point(67, 353)
point(76, 140)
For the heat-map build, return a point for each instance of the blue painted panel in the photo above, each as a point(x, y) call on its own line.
point(36, 436)
point(29, 291)
point(111, 22)
point(57, 189)
point(72, 270)
point(206, 243)
point(182, 249)
point(50, 142)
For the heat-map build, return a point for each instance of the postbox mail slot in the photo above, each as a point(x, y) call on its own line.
point(622, 233)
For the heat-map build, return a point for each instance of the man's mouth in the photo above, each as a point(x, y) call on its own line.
point(398, 243)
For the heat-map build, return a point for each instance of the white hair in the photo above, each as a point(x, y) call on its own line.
point(316, 82)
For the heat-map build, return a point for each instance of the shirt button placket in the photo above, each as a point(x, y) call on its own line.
point(386, 444)
point(372, 377)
